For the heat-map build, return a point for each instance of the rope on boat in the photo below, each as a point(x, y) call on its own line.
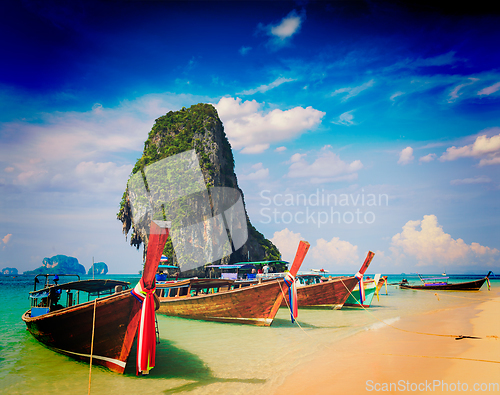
point(92, 345)
point(290, 309)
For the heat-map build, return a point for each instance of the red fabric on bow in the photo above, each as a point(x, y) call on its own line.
point(359, 276)
point(144, 292)
point(146, 336)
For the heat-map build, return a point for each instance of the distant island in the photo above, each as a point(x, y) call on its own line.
point(59, 264)
point(9, 271)
point(98, 268)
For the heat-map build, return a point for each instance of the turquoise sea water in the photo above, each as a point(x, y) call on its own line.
point(200, 357)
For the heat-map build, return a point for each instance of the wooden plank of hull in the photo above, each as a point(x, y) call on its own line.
point(381, 283)
point(249, 305)
point(332, 293)
point(69, 331)
point(467, 286)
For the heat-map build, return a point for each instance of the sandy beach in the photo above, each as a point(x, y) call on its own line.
point(415, 354)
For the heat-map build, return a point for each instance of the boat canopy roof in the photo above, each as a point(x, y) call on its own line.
point(247, 265)
point(90, 286)
point(434, 278)
point(195, 283)
point(168, 267)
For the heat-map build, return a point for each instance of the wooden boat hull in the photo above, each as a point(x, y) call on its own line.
point(381, 282)
point(332, 293)
point(466, 286)
point(255, 304)
point(69, 330)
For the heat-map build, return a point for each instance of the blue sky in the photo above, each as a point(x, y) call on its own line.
point(355, 125)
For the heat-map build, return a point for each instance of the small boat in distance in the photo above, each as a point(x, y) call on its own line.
point(251, 302)
point(441, 283)
point(381, 282)
point(319, 270)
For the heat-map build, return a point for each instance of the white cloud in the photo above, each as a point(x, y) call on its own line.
point(6, 238)
point(454, 94)
point(326, 254)
point(328, 167)
point(287, 243)
point(230, 109)
point(333, 253)
point(406, 156)
point(425, 241)
point(490, 89)
point(280, 34)
point(475, 180)
point(296, 157)
point(439, 60)
point(491, 161)
point(255, 149)
point(259, 174)
point(396, 94)
point(53, 151)
point(351, 92)
point(345, 119)
point(288, 26)
point(280, 149)
point(484, 147)
point(427, 158)
point(265, 88)
point(56, 147)
point(252, 130)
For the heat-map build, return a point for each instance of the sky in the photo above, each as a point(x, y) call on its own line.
point(356, 126)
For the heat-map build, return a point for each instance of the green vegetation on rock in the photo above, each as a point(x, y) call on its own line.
point(198, 128)
point(98, 268)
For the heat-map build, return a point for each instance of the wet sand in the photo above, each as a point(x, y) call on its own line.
point(411, 358)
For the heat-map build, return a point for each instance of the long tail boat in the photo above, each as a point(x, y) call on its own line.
point(381, 282)
point(358, 298)
point(226, 300)
point(332, 292)
point(101, 329)
point(441, 283)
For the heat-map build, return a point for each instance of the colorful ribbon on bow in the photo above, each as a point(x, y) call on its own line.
point(292, 295)
point(489, 284)
point(146, 337)
point(359, 276)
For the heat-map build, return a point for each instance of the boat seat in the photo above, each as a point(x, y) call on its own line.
point(37, 311)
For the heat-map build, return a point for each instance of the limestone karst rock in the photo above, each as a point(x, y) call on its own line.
point(198, 128)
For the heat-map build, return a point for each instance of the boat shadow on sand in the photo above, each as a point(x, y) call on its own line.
point(175, 363)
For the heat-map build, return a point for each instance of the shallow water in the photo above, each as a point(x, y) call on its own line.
point(205, 357)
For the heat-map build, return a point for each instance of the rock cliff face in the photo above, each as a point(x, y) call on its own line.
point(59, 264)
point(198, 128)
point(98, 268)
